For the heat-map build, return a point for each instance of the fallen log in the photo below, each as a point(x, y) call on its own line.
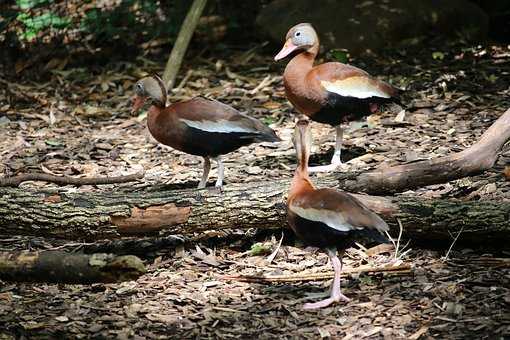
point(261, 205)
point(91, 216)
point(62, 267)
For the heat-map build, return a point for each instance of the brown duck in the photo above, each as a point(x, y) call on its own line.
point(331, 93)
point(327, 218)
point(198, 126)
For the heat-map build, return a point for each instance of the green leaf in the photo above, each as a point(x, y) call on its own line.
point(340, 55)
point(437, 55)
point(28, 4)
point(492, 78)
point(268, 120)
point(366, 280)
point(260, 249)
point(53, 142)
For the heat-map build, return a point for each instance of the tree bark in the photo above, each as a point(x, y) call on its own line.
point(62, 267)
point(181, 44)
point(250, 205)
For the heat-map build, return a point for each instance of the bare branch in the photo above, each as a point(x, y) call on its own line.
point(402, 269)
point(65, 180)
point(181, 44)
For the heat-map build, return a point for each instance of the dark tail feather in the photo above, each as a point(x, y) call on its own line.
point(396, 98)
point(268, 135)
point(373, 235)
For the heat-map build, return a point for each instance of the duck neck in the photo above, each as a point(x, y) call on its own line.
point(301, 181)
point(155, 111)
point(300, 65)
point(297, 87)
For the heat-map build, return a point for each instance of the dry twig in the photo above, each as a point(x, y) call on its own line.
point(400, 269)
point(445, 258)
point(271, 257)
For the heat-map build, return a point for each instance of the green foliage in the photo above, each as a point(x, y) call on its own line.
point(366, 280)
point(35, 24)
point(340, 55)
point(29, 4)
point(268, 120)
point(437, 55)
point(128, 21)
point(260, 249)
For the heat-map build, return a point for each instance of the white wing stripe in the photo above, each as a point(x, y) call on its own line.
point(331, 218)
point(221, 126)
point(362, 89)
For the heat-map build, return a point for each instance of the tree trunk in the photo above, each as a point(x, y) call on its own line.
point(249, 205)
point(62, 267)
point(181, 44)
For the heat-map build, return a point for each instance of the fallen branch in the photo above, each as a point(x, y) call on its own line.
point(62, 267)
point(478, 158)
point(66, 180)
point(493, 262)
point(402, 269)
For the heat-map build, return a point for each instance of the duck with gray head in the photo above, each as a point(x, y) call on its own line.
point(198, 126)
point(331, 93)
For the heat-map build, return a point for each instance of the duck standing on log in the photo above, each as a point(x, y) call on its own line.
point(327, 218)
point(331, 93)
point(198, 126)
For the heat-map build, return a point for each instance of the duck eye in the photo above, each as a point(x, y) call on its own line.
point(298, 34)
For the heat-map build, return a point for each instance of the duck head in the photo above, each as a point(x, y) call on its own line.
point(149, 89)
point(301, 37)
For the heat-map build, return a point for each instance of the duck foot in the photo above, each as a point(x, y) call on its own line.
point(326, 302)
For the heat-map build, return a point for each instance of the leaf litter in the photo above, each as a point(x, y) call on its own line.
point(78, 123)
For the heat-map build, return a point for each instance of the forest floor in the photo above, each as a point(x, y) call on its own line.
point(76, 121)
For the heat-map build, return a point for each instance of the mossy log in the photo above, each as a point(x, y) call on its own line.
point(62, 267)
point(90, 216)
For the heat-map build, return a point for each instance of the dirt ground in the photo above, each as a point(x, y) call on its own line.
point(76, 121)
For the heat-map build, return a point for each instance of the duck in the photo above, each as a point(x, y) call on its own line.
point(199, 126)
point(327, 218)
point(330, 93)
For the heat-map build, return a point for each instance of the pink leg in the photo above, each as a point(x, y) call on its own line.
point(336, 294)
point(335, 161)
